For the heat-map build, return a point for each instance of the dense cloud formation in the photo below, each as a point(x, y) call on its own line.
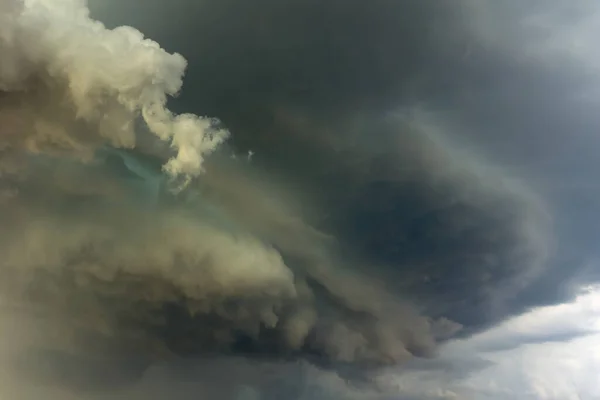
point(224, 266)
point(350, 91)
point(341, 210)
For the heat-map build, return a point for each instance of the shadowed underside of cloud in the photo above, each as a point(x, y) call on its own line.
point(348, 217)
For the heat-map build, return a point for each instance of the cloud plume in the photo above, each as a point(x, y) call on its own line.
point(86, 84)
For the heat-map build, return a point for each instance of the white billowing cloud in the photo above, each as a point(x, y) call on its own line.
point(580, 317)
point(548, 353)
point(545, 371)
point(86, 84)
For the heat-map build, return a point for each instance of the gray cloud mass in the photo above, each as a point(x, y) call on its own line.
point(267, 199)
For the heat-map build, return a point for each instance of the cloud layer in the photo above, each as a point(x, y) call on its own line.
point(352, 215)
point(96, 243)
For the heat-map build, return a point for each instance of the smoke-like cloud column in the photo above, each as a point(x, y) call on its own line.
point(85, 85)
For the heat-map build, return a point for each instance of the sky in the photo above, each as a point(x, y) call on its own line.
point(549, 352)
point(299, 199)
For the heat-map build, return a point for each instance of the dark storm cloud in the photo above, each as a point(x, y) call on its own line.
point(96, 243)
point(319, 80)
point(368, 212)
point(534, 106)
